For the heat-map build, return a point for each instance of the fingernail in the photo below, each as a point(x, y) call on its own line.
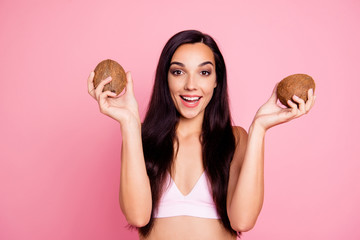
point(289, 102)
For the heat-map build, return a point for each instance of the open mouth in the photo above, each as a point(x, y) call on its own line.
point(190, 99)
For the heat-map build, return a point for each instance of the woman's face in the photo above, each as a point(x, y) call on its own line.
point(192, 79)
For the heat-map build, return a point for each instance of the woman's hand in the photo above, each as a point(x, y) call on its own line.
point(271, 114)
point(135, 191)
point(123, 108)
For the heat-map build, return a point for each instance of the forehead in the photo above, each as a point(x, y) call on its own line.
point(193, 53)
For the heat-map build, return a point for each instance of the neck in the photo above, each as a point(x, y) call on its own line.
point(191, 126)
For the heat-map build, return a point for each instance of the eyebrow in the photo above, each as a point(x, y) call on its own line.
point(200, 65)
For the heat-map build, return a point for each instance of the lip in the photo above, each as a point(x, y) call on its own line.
point(190, 104)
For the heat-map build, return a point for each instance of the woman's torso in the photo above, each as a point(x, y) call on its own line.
point(189, 228)
point(187, 169)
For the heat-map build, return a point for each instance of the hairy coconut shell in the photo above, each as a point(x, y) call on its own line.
point(111, 68)
point(296, 84)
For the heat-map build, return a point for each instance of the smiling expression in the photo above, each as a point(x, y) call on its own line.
point(192, 79)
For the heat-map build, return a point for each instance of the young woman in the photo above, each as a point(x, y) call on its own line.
point(186, 172)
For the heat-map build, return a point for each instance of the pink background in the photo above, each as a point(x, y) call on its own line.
point(60, 157)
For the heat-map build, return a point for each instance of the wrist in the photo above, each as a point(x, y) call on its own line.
point(130, 126)
point(257, 128)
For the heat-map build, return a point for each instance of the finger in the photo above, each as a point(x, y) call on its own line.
point(294, 107)
point(310, 102)
point(103, 98)
point(289, 113)
point(301, 103)
point(313, 102)
point(292, 104)
point(90, 83)
point(99, 89)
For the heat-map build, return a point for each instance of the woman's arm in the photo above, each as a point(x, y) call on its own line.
point(246, 181)
point(135, 192)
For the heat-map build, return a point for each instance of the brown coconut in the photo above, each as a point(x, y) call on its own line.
point(111, 68)
point(296, 84)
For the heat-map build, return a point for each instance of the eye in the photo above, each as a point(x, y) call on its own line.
point(176, 72)
point(205, 73)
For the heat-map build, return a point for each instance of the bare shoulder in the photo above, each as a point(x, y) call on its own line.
point(240, 135)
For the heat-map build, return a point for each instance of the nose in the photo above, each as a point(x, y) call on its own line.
point(190, 83)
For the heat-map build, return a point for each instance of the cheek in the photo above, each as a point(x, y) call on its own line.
point(175, 84)
point(172, 91)
point(210, 91)
point(172, 88)
point(209, 87)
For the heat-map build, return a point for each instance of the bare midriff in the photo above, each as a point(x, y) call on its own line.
point(189, 228)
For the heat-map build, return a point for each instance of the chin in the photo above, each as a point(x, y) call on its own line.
point(189, 115)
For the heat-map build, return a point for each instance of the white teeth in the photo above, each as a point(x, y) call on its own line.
point(191, 98)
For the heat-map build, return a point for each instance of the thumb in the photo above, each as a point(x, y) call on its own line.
point(273, 97)
point(129, 83)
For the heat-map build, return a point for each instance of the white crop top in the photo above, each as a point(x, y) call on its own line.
point(198, 203)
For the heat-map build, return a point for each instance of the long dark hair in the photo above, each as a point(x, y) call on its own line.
point(159, 129)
